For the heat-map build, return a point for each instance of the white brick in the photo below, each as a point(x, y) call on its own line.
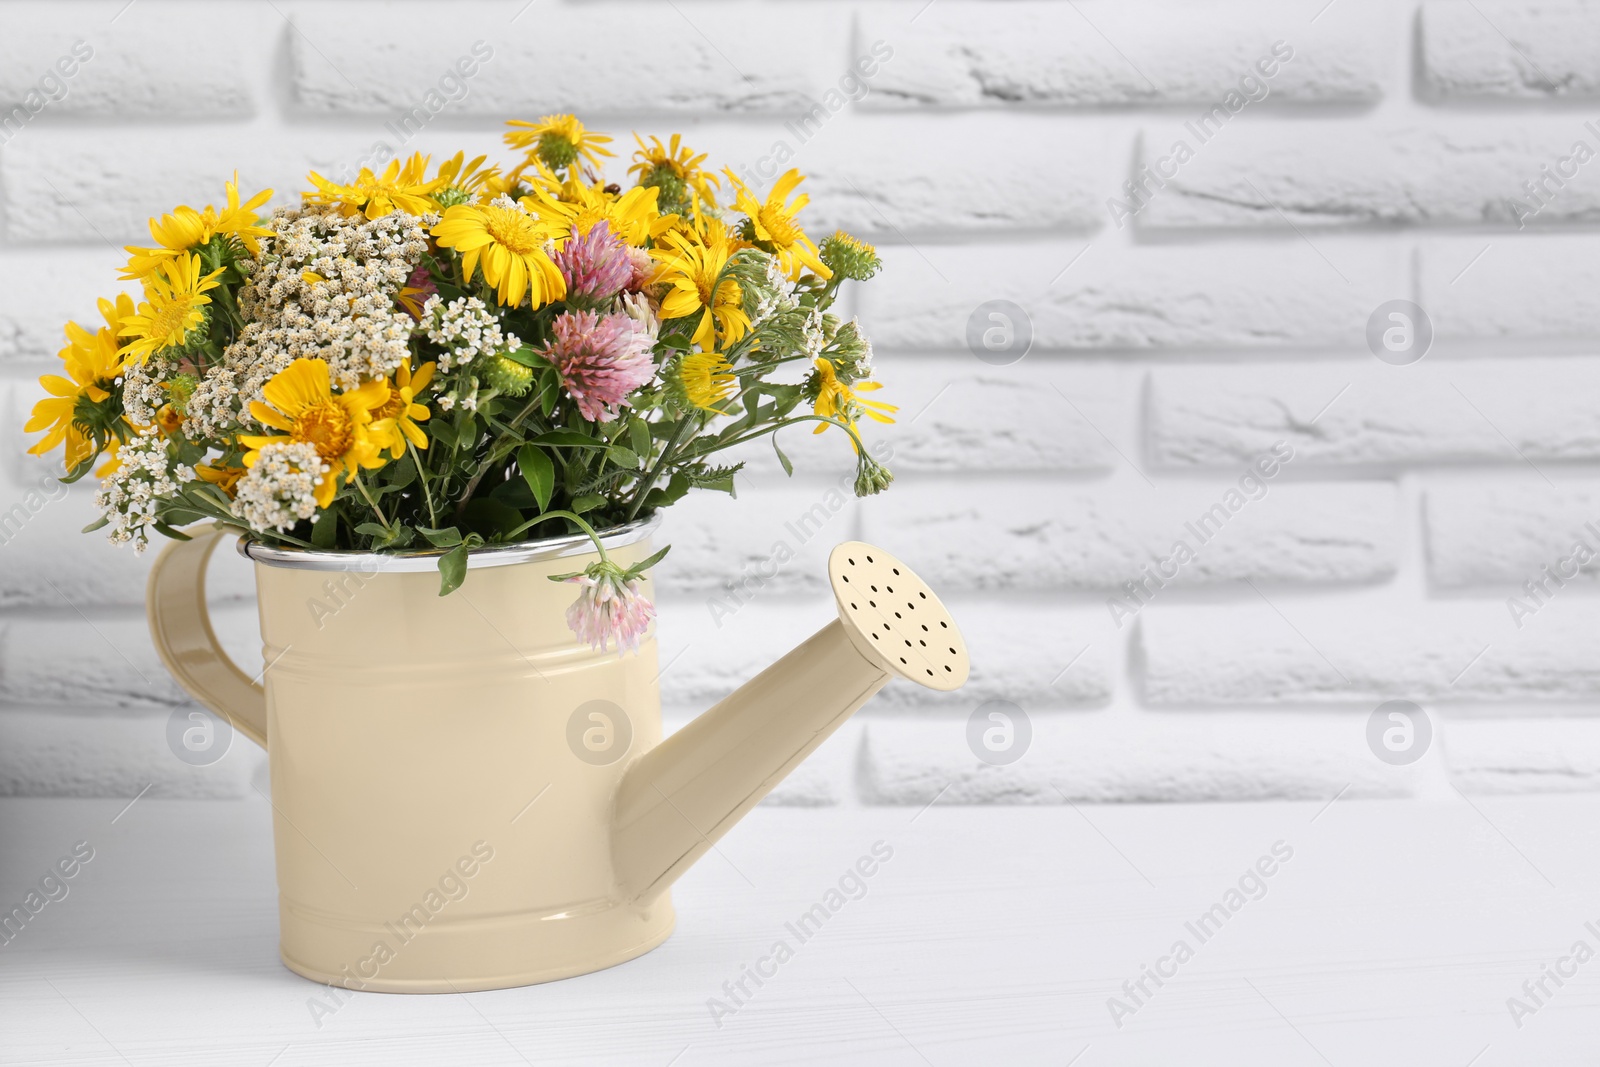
point(875, 179)
point(68, 754)
point(772, 540)
point(1512, 51)
point(1017, 537)
point(1505, 534)
point(1366, 412)
point(154, 60)
point(612, 57)
point(957, 414)
point(1145, 297)
point(1518, 287)
point(978, 54)
point(1523, 755)
point(1367, 649)
point(1112, 756)
point(1357, 173)
point(46, 288)
point(1020, 652)
point(104, 190)
point(74, 659)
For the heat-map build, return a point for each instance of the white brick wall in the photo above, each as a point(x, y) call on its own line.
point(1424, 151)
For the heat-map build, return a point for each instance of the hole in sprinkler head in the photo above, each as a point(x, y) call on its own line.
point(902, 659)
point(852, 563)
point(953, 652)
point(924, 628)
point(898, 615)
point(852, 604)
point(846, 577)
point(950, 671)
point(944, 625)
point(874, 589)
point(885, 626)
point(923, 643)
point(908, 644)
point(874, 637)
point(890, 588)
point(869, 559)
point(895, 569)
point(874, 603)
point(930, 674)
point(924, 596)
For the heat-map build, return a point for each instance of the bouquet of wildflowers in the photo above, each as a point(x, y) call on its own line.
point(442, 358)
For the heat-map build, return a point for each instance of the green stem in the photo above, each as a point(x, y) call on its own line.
point(376, 510)
point(490, 459)
point(422, 476)
point(654, 472)
point(775, 427)
point(558, 514)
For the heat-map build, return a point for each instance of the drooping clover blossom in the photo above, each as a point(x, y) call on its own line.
point(609, 607)
point(601, 358)
point(596, 265)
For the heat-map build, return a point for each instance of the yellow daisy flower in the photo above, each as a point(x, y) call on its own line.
point(773, 222)
point(471, 176)
point(510, 244)
point(223, 477)
point(690, 264)
point(400, 411)
point(400, 188)
point(92, 363)
point(633, 215)
point(837, 400)
point(678, 160)
point(558, 140)
point(174, 299)
point(185, 228)
point(708, 380)
point(302, 404)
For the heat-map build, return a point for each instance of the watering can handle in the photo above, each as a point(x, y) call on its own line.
point(180, 625)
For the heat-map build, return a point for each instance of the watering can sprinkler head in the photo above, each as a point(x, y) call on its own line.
point(894, 619)
point(676, 800)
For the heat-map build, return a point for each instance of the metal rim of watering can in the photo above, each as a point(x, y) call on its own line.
point(547, 548)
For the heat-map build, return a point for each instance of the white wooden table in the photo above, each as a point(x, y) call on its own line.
point(1394, 934)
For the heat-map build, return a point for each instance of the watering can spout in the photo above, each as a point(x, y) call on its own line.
point(677, 800)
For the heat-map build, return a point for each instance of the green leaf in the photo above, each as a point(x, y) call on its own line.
point(525, 356)
point(448, 537)
point(400, 474)
point(325, 531)
point(639, 436)
point(568, 439)
point(549, 391)
point(373, 530)
point(443, 433)
point(176, 535)
point(538, 472)
point(675, 341)
point(623, 457)
point(670, 493)
point(490, 517)
point(452, 569)
point(587, 502)
point(645, 564)
point(97, 524)
point(788, 468)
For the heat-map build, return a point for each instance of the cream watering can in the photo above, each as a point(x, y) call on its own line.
point(465, 797)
